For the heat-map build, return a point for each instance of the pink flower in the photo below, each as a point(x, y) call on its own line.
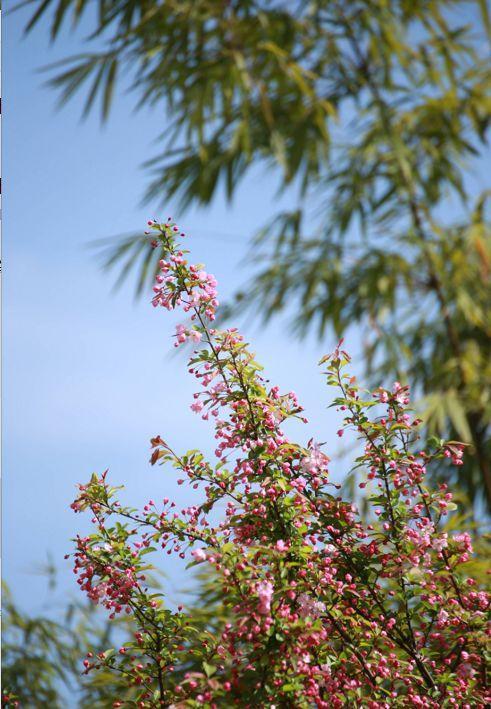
point(197, 406)
point(466, 671)
point(309, 606)
point(280, 545)
point(180, 333)
point(198, 554)
point(442, 617)
point(265, 594)
point(465, 539)
point(441, 543)
point(315, 461)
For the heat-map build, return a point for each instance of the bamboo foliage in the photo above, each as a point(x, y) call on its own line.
point(373, 112)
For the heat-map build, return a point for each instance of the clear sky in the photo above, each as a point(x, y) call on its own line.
point(87, 376)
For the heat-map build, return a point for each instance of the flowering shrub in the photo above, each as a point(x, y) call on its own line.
point(324, 607)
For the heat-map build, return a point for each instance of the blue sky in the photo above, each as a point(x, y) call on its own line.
point(87, 374)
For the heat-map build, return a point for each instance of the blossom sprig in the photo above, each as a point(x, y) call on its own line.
point(321, 606)
point(180, 284)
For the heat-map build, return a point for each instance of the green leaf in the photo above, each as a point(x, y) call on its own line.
point(209, 669)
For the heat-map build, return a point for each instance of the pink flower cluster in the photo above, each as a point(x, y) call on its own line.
point(110, 586)
point(180, 284)
point(320, 605)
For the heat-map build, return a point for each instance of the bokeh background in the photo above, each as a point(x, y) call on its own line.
point(89, 374)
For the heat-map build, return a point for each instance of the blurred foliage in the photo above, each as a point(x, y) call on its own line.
point(42, 657)
point(372, 112)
